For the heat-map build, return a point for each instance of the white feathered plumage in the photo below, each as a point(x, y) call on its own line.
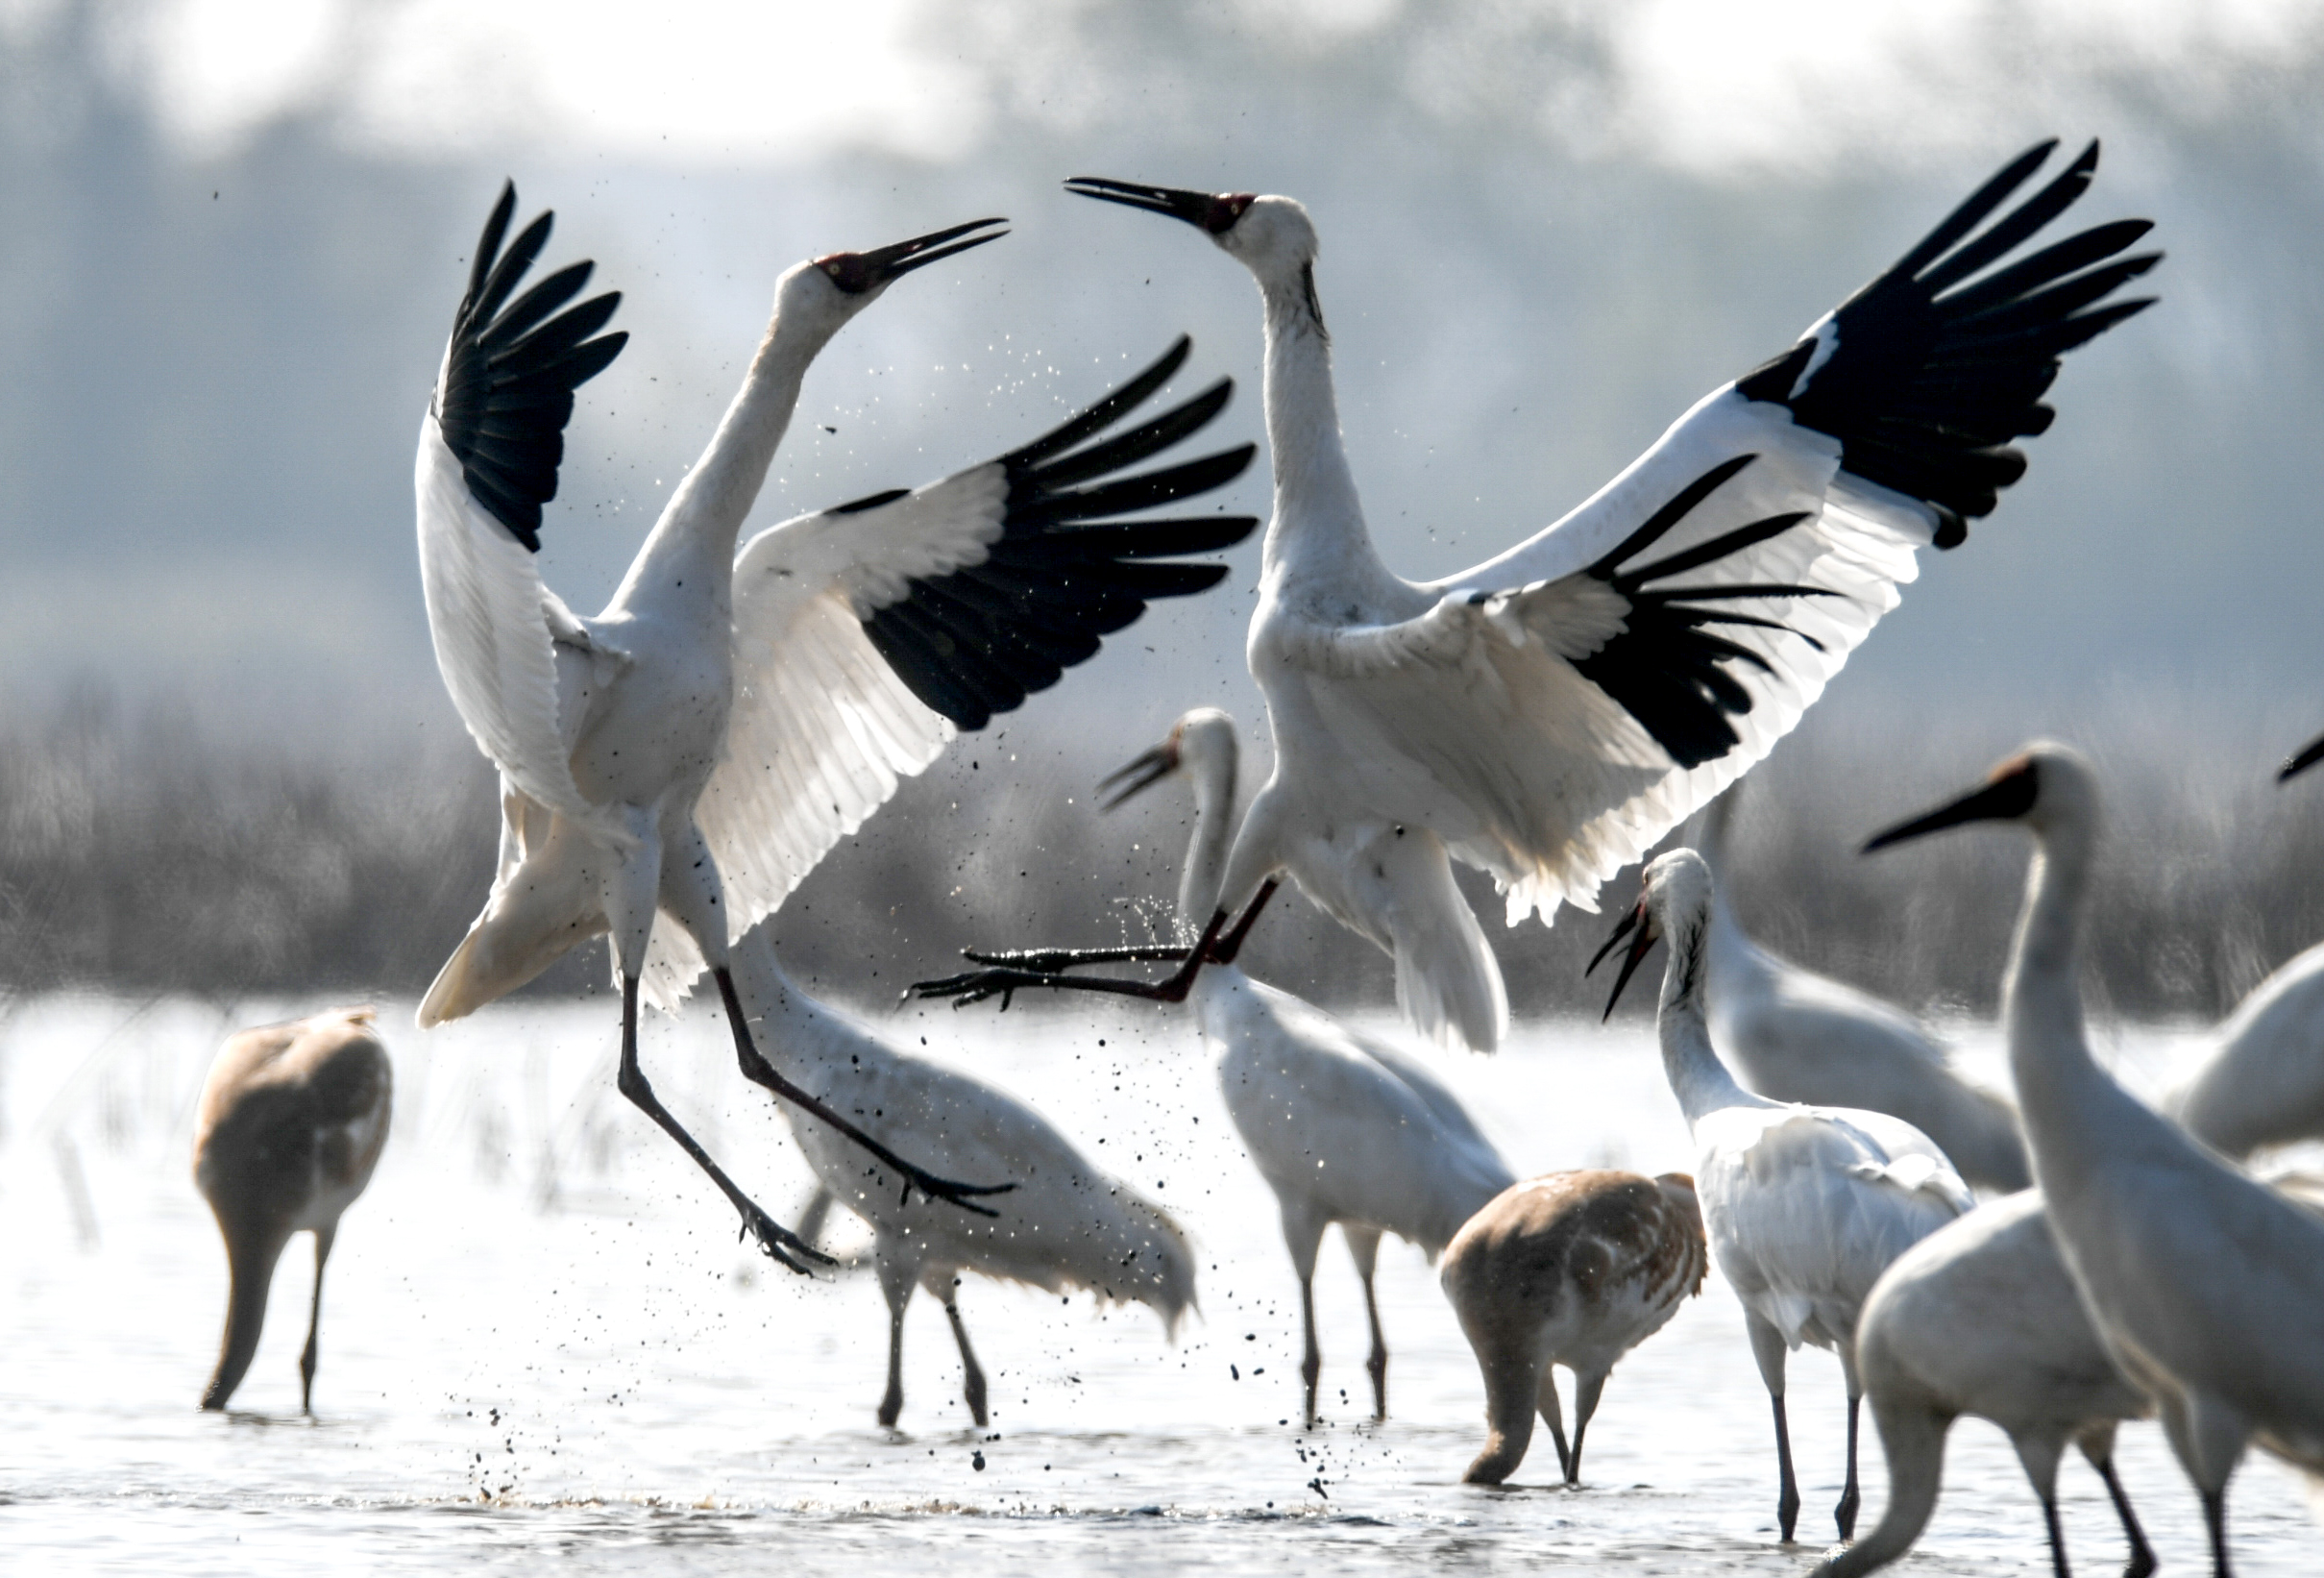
point(1804, 1206)
point(674, 766)
point(1549, 714)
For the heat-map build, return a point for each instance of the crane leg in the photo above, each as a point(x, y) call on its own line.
point(1005, 981)
point(314, 1321)
point(2142, 1563)
point(972, 1374)
point(759, 1071)
point(1363, 1248)
point(776, 1239)
point(1588, 1389)
point(1310, 1362)
point(1303, 1231)
point(1552, 1414)
point(629, 891)
point(2057, 1537)
point(1231, 944)
point(897, 1283)
point(2038, 1452)
point(693, 894)
point(2215, 1519)
point(1770, 1349)
point(1049, 961)
point(2207, 1436)
point(1850, 1496)
point(1019, 972)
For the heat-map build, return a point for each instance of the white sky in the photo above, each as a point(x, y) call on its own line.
point(1708, 83)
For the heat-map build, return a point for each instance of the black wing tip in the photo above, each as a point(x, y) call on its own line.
point(1105, 411)
point(1927, 371)
point(512, 368)
point(974, 643)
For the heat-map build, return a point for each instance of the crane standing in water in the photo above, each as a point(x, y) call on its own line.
point(291, 1121)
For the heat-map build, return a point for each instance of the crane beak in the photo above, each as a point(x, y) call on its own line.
point(2008, 795)
point(882, 265)
point(1636, 926)
point(2308, 756)
point(1139, 775)
point(1204, 210)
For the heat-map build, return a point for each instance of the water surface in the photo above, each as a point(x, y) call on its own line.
point(541, 1343)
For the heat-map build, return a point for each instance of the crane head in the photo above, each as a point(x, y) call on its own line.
point(1215, 213)
point(1202, 743)
point(1674, 901)
point(867, 273)
point(1142, 774)
point(2011, 792)
point(1272, 237)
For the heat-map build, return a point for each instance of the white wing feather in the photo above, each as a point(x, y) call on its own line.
point(487, 612)
point(823, 729)
point(1549, 784)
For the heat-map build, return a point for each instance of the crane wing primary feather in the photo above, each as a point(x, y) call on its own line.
point(489, 448)
point(1629, 662)
point(867, 635)
point(1910, 391)
point(1566, 725)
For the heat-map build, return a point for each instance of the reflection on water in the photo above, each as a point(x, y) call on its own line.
point(542, 1342)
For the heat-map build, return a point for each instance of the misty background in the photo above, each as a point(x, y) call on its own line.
point(232, 238)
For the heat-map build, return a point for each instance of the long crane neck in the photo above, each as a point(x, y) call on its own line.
point(1206, 869)
point(1697, 1078)
point(688, 556)
point(2066, 1097)
point(1318, 517)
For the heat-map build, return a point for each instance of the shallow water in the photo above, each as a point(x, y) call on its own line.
point(542, 1342)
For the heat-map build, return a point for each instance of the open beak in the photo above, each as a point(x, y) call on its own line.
point(2309, 756)
point(1139, 775)
point(882, 264)
point(1635, 927)
point(2009, 795)
point(1201, 209)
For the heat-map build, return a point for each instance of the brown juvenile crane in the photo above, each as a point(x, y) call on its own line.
point(292, 1121)
point(1572, 1269)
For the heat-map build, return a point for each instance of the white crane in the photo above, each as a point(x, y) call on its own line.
point(1981, 1318)
point(1794, 1035)
point(1572, 1269)
point(1805, 1206)
point(2206, 1286)
point(695, 748)
point(1068, 1223)
point(1546, 716)
point(1345, 1126)
point(291, 1121)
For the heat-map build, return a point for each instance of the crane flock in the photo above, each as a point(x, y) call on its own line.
point(672, 767)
